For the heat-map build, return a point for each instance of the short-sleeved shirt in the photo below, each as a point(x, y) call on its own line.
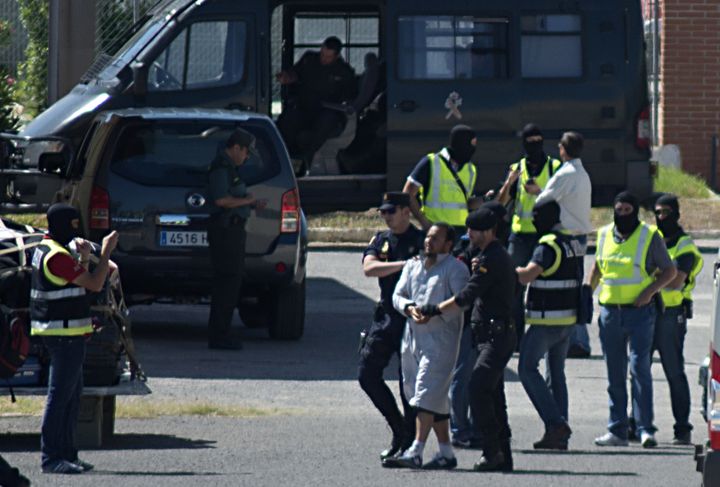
point(491, 288)
point(420, 175)
point(389, 247)
point(224, 180)
point(543, 255)
point(657, 255)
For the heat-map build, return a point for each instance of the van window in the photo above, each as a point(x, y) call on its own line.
point(551, 46)
point(205, 54)
point(359, 33)
point(179, 154)
point(447, 47)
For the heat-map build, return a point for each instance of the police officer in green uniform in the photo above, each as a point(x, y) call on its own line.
point(384, 258)
point(231, 207)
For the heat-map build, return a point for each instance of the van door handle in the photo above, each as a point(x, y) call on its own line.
point(406, 105)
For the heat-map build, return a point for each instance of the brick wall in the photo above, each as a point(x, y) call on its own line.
point(690, 73)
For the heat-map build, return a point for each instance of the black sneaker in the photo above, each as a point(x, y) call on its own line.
point(403, 461)
point(684, 438)
point(440, 462)
point(83, 464)
point(458, 443)
point(62, 466)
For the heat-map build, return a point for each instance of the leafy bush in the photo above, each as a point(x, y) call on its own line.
point(682, 184)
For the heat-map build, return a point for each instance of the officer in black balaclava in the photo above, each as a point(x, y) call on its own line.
point(546, 216)
point(667, 218)
point(533, 144)
point(63, 223)
point(461, 146)
point(626, 221)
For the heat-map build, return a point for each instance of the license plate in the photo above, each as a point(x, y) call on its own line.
point(183, 239)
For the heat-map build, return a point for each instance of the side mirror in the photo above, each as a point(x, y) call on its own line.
point(140, 78)
point(51, 156)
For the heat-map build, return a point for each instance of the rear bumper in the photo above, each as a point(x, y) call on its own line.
point(160, 276)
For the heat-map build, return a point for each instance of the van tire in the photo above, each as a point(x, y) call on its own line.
point(287, 315)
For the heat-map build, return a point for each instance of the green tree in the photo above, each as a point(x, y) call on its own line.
point(33, 72)
point(8, 117)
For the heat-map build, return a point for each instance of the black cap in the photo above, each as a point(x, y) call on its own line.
point(394, 198)
point(482, 219)
point(496, 207)
point(242, 138)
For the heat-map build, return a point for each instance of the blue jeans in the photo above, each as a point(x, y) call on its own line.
point(57, 437)
point(618, 327)
point(670, 330)
point(460, 424)
point(579, 336)
point(520, 248)
point(549, 396)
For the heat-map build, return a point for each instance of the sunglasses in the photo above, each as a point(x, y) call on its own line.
point(663, 212)
point(390, 211)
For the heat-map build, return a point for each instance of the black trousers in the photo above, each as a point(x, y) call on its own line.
point(227, 254)
point(305, 131)
point(382, 342)
point(488, 405)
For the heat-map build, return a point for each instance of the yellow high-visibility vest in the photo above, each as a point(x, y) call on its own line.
point(622, 265)
point(675, 297)
point(445, 201)
point(524, 201)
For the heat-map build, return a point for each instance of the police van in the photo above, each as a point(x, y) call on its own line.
point(493, 65)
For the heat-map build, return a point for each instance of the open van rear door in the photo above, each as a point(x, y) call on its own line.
point(448, 64)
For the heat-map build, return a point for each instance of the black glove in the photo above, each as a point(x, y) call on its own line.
point(430, 310)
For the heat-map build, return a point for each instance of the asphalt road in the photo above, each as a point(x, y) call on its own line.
point(320, 429)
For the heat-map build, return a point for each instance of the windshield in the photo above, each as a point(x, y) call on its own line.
point(131, 48)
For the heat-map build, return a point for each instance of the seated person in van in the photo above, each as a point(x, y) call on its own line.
point(316, 80)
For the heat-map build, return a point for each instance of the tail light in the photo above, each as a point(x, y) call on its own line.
point(642, 140)
point(713, 406)
point(290, 212)
point(99, 209)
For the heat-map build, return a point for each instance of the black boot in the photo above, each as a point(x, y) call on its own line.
point(490, 463)
point(507, 465)
point(396, 446)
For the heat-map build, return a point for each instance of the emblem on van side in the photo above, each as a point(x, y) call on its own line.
point(453, 102)
point(196, 200)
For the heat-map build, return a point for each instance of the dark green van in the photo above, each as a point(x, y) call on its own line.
point(494, 65)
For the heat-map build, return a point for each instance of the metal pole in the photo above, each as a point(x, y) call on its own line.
point(135, 11)
point(656, 72)
point(53, 79)
point(713, 162)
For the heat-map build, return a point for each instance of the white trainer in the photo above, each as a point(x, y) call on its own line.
point(647, 440)
point(610, 439)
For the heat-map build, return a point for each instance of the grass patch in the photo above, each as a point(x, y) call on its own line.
point(146, 408)
point(35, 219)
point(682, 184)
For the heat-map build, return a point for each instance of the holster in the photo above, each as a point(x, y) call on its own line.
point(688, 308)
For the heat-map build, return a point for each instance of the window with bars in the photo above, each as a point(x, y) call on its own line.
point(359, 33)
point(551, 46)
point(448, 47)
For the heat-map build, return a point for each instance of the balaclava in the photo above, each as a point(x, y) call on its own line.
point(669, 226)
point(626, 224)
point(461, 148)
point(533, 150)
point(60, 227)
point(546, 216)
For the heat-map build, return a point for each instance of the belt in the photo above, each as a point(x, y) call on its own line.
point(621, 306)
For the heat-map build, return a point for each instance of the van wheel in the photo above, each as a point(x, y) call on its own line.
point(287, 315)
